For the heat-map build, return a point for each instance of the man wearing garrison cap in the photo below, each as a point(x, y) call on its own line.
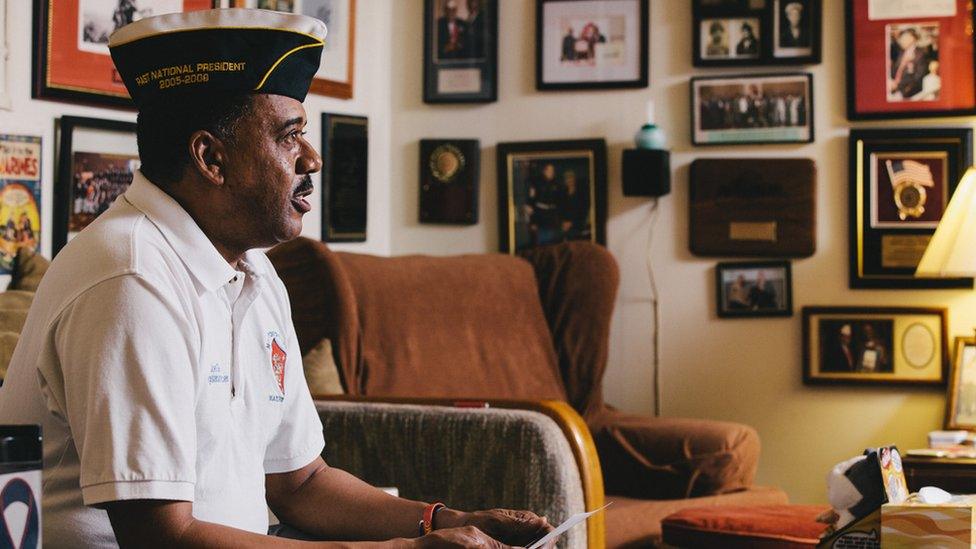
point(159, 354)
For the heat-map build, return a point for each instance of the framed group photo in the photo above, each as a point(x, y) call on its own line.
point(345, 159)
point(71, 58)
point(97, 160)
point(910, 59)
point(335, 74)
point(875, 345)
point(741, 109)
point(550, 192)
point(755, 32)
point(961, 398)
point(754, 289)
point(460, 51)
point(591, 44)
point(901, 181)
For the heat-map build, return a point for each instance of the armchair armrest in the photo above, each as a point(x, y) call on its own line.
point(537, 455)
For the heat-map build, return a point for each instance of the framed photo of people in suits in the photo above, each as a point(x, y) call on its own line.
point(751, 289)
point(875, 345)
point(591, 44)
point(901, 180)
point(460, 51)
point(755, 32)
point(910, 59)
point(551, 192)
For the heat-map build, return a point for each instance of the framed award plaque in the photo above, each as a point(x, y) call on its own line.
point(900, 184)
point(449, 173)
point(345, 145)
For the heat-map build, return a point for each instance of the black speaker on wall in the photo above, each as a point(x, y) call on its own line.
point(646, 172)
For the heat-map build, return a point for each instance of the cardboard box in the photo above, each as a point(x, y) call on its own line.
point(947, 525)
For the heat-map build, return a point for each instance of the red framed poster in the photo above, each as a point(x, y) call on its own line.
point(71, 57)
point(910, 59)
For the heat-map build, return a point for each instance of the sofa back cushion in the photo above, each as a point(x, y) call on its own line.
point(457, 327)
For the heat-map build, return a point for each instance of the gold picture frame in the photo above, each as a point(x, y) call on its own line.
point(961, 396)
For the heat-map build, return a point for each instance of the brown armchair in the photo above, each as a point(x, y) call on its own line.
point(528, 332)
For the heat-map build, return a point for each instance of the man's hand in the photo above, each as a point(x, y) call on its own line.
point(463, 537)
point(512, 527)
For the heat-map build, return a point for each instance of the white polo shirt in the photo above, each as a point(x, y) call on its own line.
point(158, 371)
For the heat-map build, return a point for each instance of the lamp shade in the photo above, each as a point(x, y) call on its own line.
point(952, 250)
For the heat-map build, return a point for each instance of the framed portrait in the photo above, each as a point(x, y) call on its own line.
point(345, 148)
point(71, 57)
point(96, 162)
point(875, 345)
point(550, 192)
point(761, 108)
point(460, 51)
point(334, 78)
point(910, 59)
point(749, 289)
point(961, 397)
point(901, 181)
point(20, 197)
point(755, 32)
point(591, 44)
point(450, 170)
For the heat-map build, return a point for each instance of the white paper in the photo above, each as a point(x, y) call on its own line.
point(902, 9)
point(565, 526)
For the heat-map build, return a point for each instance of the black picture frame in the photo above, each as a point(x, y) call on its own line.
point(887, 235)
point(721, 122)
point(862, 102)
point(64, 187)
point(471, 74)
point(914, 346)
point(450, 175)
point(345, 156)
point(773, 44)
point(565, 82)
point(518, 162)
point(751, 300)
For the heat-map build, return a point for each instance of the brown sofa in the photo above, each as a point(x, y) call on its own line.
point(533, 328)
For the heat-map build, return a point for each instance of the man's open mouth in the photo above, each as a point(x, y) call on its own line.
point(299, 199)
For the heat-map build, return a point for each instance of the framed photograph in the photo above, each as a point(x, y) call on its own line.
point(753, 207)
point(875, 345)
point(460, 51)
point(754, 289)
point(591, 44)
point(71, 57)
point(450, 170)
point(762, 108)
point(755, 32)
point(334, 78)
point(551, 191)
point(96, 161)
point(345, 147)
point(961, 397)
point(901, 181)
point(20, 197)
point(910, 59)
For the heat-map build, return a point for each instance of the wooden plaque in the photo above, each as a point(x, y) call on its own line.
point(753, 207)
point(449, 174)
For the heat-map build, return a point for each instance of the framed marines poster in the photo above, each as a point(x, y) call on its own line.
point(71, 57)
point(20, 197)
point(901, 181)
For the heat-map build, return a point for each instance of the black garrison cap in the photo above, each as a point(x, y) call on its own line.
point(212, 53)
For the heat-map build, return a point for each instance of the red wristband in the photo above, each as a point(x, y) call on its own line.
point(427, 522)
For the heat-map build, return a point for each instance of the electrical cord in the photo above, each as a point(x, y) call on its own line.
point(655, 311)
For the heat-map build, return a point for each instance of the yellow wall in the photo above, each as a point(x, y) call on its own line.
point(742, 370)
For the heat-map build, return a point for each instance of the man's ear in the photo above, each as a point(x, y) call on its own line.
point(207, 156)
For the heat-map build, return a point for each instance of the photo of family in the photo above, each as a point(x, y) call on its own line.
point(553, 198)
point(913, 62)
point(860, 346)
point(752, 109)
point(98, 180)
point(754, 289)
point(736, 38)
point(593, 42)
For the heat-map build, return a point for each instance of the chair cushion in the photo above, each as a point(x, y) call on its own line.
point(668, 458)
point(29, 268)
point(732, 527)
point(321, 373)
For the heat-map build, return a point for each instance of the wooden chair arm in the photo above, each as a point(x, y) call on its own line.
point(571, 424)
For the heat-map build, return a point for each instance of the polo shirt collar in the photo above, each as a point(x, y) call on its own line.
point(198, 253)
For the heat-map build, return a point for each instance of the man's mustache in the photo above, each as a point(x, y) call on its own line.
point(304, 185)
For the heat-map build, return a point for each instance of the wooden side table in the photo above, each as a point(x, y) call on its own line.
point(954, 475)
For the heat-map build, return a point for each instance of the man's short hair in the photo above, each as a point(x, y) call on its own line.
point(163, 132)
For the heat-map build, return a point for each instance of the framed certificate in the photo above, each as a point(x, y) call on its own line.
point(460, 51)
point(901, 181)
point(345, 146)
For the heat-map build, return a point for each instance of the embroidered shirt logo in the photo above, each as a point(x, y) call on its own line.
point(278, 357)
